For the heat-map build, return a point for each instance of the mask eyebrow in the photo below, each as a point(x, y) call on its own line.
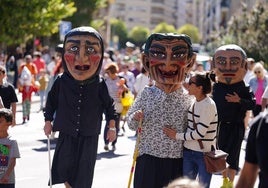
point(235, 58)
point(158, 46)
point(221, 58)
point(92, 43)
point(73, 41)
point(179, 48)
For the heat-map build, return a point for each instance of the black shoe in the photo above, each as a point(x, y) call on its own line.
point(106, 147)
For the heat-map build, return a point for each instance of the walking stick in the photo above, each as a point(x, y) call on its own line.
point(136, 153)
point(49, 161)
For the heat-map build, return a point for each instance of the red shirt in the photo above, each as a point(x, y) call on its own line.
point(40, 64)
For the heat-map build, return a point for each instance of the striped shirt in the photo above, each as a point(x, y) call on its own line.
point(206, 118)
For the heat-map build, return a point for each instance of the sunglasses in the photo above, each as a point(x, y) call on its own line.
point(191, 82)
point(257, 72)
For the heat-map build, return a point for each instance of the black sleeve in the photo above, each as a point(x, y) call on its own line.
point(251, 152)
point(52, 100)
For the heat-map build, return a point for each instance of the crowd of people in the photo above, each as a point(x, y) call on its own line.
point(183, 108)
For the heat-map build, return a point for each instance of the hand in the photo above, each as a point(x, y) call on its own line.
point(171, 133)
point(111, 135)
point(232, 98)
point(47, 128)
point(138, 115)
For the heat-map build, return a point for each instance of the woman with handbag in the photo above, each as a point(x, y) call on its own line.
point(202, 128)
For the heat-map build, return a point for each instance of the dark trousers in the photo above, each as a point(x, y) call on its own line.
point(256, 110)
point(7, 185)
point(154, 172)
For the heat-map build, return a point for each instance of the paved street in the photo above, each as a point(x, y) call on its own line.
point(112, 168)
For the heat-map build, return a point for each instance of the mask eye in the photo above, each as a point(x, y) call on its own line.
point(222, 62)
point(74, 49)
point(90, 50)
point(179, 54)
point(157, 54)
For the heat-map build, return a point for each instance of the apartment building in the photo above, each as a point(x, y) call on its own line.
point(207, 15)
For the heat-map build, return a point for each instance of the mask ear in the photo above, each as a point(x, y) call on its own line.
point(245, 64)
point(191, 62)
point(145, 62)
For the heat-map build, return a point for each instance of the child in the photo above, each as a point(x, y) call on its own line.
point(9, 150)
point(43, 82)
point(26, 87)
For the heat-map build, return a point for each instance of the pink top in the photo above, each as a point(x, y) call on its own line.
point(259, 91)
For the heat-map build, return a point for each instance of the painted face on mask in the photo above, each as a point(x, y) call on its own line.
point(229, 67)
point(168, 60)
point(82, 54)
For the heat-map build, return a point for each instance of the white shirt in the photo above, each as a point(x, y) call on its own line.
point(141, 81)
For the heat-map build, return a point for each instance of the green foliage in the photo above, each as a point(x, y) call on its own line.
point(138, 35)
point(248, 30)
point(21, 20)
point(163, 27)
point(118, 28)
point(190, 30)
point(85, 11)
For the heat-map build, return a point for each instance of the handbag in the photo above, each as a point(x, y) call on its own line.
point(215, 160)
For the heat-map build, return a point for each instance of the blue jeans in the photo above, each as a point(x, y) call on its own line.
point(193, 165)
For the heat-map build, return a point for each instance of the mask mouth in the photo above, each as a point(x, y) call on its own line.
point(168, 74)
point(82, 67)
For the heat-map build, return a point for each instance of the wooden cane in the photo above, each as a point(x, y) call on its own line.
point(136, 153)
point(49, 161)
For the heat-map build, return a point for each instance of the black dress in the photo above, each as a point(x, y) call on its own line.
point(76, 109)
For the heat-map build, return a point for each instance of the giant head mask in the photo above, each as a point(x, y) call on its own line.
point(82, 53)
point(168, 57)
point(230, 64)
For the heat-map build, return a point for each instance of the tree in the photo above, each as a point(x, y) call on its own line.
point(23, 20)
point(85, 11)
point(249, 30)
point(138, 35)
point(119, 29)
point(190, 30)
point(164, 28)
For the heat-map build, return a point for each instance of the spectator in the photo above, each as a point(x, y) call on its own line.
point(129, 76)
point(43, 82)
point(27, 87)
point(8, 94)
point(136, 70)
point(141, 81)
point(201, 131)
point(15, 66)
point(116, 90)
point(31, 67)
point(250, 72)
point(9, 150)
point(39, 62)
point(258, 83)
